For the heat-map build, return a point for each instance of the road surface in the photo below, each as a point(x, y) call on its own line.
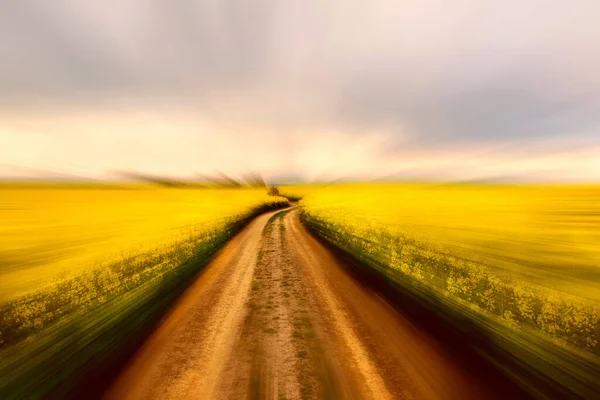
point(277, 316)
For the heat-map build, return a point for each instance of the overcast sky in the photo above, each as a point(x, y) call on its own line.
point(319, 89)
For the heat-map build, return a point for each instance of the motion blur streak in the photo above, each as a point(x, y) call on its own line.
point(520, 262)
point(447, 150)
point(86, 267)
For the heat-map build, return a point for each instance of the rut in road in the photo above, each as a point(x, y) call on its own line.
point(276, 316)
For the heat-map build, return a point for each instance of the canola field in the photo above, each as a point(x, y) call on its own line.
point(51, 234)
point(521, 261)
point(79, 261)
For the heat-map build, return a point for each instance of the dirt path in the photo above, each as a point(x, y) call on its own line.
point(277, 316)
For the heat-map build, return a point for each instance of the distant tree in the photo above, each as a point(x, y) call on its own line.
point(273, 191)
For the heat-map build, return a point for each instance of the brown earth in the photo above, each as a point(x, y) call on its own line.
point(276, 315)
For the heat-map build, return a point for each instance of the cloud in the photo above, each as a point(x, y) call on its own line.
point(421, 77)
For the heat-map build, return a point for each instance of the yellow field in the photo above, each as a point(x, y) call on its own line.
point(527, 255)
point(85, 269)
point(49, 234)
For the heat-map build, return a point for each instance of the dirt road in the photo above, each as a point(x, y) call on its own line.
point(276, 315)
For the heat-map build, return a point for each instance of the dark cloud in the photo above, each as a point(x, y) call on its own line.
point(508, 107)
point(62, 50)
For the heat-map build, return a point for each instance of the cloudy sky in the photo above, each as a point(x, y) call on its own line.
point(319, 89)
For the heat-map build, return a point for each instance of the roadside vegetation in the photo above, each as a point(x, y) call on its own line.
point(85, 270)
point(520, 262)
